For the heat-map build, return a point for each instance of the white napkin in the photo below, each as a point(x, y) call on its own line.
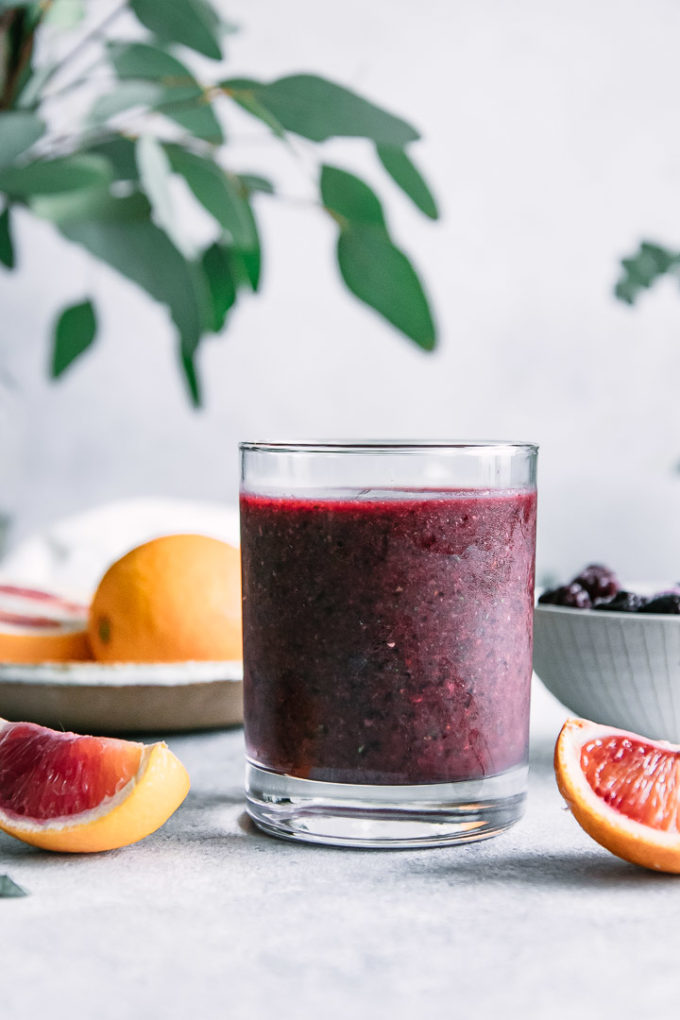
point(71, 555)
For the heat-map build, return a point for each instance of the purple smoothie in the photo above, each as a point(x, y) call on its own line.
point(388, 640)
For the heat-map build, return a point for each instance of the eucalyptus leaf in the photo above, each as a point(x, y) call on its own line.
point(6, 245)
point(643, 269)
point(181, 21)
point(53, 176)
point(65, 14)
point(29, 94)
point(91, 204)
point(187, 360)
point(318, 109)
point(154, 172)
point(120, 153)
point(254, 182)
point(127, 95)
point(19, 130)
point(216, 192)
point(380, 275)
point(216, 264)
point(181, 98)
point(74, 332)
point(9, 888)
point(246, 264)
point(142, 252)
point(406, 175)
point(350, 198)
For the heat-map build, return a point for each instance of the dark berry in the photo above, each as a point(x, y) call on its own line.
point(572, 595)
point(623, 602)
point(668, 603)
point(600, 582)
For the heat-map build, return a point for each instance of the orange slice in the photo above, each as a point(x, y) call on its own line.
point(624, 790)
point(81, 794)
point(38, 626)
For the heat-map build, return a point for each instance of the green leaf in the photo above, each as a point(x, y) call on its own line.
point(142, 252)
point(65, 14)
point(407, 176)
point(126, 96)
point(6, 246)
point(181, 98)
point(9, 888)
point(380, 274)
point(120, 153)
point(319, 109)
point(91, 204)
point(187, 360)
point(53, 176)
point(216, 192)
point(154, 172)
point(253, 182)
point(242, 91)
point(18, 132)
point(181, 21)
point(74, 332)
point(349, 198)
point(216, 265)
point(650, 262)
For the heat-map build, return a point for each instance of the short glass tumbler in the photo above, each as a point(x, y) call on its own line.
point(387, 609)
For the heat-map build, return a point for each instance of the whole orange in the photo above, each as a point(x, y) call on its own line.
point(174, 599)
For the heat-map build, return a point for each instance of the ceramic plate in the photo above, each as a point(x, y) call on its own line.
point(123, 697)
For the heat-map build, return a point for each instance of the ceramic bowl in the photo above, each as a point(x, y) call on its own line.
point(620, 669)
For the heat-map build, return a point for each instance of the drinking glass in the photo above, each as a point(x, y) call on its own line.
point(387, 611)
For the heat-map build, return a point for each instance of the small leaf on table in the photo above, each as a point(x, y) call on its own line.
point(318, 109)
point(188, 22)
point(18, 132)
point(407, 176)
point(6, 246)
point(380, 275)
point(74, 332)
point(650, 262)
point(9, 888)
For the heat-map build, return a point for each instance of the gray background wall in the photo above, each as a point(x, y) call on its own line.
point(552, 138)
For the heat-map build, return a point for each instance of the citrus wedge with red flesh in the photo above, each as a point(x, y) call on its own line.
point(39, 626)
point(73, 793)
point(624, 790)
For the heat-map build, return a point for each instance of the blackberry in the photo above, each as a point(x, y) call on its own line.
point(600, 582)
point(667, 602)
point(623, 602)
point(572, 595)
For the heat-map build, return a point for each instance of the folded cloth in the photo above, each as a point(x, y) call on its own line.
point(71, 555)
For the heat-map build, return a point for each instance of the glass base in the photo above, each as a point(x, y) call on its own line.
point(384, 817)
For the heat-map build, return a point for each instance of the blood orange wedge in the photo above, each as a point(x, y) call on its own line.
point(37, 626)
point(624, 790)
point(63, 791)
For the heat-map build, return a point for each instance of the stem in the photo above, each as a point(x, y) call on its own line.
point(95, 33)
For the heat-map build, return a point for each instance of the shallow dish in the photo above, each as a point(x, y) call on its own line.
point(621, 669)
point(123, 697)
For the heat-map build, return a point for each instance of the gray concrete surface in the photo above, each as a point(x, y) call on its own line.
point(208, 918)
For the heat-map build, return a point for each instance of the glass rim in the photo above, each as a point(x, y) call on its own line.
point(386, 445)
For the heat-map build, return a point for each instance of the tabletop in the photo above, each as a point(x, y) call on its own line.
point(210, 918)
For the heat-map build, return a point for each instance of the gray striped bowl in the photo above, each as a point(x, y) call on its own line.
point(620, 669)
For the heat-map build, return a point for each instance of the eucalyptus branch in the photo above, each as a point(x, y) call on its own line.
point(96, 33)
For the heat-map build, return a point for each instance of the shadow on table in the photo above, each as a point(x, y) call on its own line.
point(534, 869)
